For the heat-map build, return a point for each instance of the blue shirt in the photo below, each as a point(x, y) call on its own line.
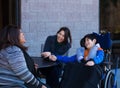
point(97, 59)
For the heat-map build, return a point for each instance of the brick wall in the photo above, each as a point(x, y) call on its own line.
point(41, 18)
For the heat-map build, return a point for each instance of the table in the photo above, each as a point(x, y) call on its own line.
point(43, 63)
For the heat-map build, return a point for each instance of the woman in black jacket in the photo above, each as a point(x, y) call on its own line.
point(58, 44)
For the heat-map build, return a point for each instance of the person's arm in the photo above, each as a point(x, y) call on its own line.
point(99, 57)
point(80, 53)
point(64, 59)
point(18, 65)
point(47, 48)
point(47, 45)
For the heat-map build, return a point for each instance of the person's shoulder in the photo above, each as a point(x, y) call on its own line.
point(69, 45)
point(51, 37)
point(66, 45)
point(11, 49)
point(100, 48)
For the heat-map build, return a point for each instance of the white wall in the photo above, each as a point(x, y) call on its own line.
point(41, 18)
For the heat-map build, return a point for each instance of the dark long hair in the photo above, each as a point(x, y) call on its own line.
point(9, 36)
point(67, 36)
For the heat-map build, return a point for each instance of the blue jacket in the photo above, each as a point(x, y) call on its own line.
point(97, 59)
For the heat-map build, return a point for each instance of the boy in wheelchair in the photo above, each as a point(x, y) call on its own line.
point(81, 70)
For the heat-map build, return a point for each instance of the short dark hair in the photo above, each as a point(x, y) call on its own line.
point(90, 36)
point(82, 42)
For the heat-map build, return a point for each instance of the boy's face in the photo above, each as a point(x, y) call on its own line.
point(89, 43)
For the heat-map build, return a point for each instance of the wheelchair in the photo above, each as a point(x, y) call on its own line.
point(108, 77)
point(99, 74)
point(107, 80)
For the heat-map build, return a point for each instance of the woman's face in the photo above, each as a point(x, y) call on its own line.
point(60, 36)
point(22, 38)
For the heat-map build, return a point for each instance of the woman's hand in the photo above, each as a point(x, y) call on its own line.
point(46, 54)
point(36, 66)
point(43, 86)
point(90, 63)
point(53, 57)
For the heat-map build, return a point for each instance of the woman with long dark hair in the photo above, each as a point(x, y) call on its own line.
point(16, 67)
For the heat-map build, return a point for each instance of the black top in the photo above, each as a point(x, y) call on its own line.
point(31, 67)
point(54, 47)
point(30, 63)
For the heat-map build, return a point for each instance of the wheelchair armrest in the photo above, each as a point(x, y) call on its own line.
point(107, 63)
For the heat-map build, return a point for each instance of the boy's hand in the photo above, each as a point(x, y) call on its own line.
point(90, 63)
point(53, 57)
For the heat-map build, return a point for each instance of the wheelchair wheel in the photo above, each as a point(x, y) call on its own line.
point(109, 80)
point(98, 86)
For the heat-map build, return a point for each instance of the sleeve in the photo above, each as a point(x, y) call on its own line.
point(47, 44)
point(18, 65)
point(99, 57)
point(80, 53)
point(66, 59)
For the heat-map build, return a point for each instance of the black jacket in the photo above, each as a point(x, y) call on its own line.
point(54, 47)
